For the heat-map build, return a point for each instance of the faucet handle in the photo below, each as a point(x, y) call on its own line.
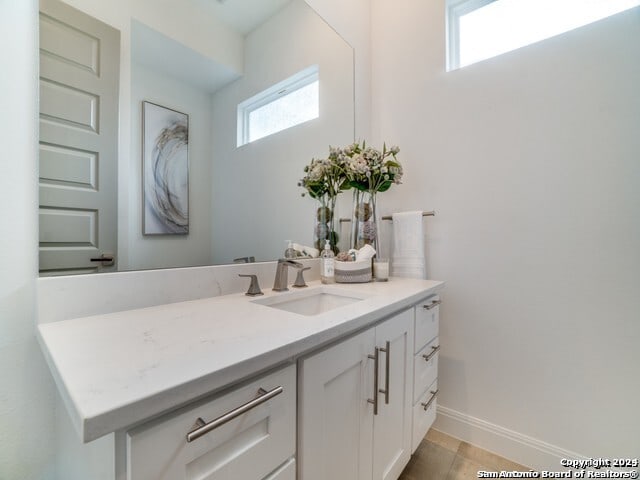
point(299, 283)
point(254, 287)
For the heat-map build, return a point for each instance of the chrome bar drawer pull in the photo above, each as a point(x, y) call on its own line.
point(376, 358)
point(434, 350)
point(433, 304)
point(434, 394)
point(204, 428)
point(387, 350)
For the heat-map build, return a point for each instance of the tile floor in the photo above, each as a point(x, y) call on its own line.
point(441, 457)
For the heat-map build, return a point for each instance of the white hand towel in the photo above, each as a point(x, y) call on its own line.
point(365, 253)
point(408, 246)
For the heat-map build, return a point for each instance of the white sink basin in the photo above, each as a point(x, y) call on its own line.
point(312, 301)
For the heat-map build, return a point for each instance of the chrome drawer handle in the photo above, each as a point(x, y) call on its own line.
point(376, 360)
point(386, 350)
point(433, 304)
point(434, 350)
point(204, 428)
point(426, 405)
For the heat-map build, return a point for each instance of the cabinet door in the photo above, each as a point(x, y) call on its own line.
point(392, 425)
point(249, 447)
point(335, 420)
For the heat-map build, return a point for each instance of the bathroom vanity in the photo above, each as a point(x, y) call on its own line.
point(324, 382)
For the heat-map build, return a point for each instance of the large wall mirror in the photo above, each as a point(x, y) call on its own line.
point(197, 60)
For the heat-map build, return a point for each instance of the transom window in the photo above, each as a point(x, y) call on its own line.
point(288, 103)
point(481, 29)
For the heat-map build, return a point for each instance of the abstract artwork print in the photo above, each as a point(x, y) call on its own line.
point(165, 153)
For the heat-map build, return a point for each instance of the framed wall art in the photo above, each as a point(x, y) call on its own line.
point(165, 170)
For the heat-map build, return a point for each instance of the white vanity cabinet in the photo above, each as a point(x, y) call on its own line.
point(425, 367)
point(251, 436)
point(136, 382)
point(355, 401)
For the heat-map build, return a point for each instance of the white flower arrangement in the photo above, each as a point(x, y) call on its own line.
point(368, 169)
point(354, 166)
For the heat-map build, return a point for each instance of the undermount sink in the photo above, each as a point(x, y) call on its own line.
point(313, 301)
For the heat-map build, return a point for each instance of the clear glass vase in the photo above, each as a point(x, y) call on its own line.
point(364, 220)
point(324, 222)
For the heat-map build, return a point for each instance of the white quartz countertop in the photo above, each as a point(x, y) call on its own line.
point(118, 369)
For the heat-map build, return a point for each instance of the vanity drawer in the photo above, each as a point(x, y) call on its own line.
point(251, 445)
point(424, 414)
point(425, 368)
point(285, 472)
point(427, 316)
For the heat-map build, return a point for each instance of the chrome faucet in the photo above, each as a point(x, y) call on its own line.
point(280, 282)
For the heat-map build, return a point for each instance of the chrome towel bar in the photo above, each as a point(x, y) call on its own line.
point(432, 213)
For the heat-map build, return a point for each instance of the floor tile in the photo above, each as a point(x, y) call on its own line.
point(442, 457)
point(489, 460)
point(463, 469)
point(429, 462)
point(444, 440)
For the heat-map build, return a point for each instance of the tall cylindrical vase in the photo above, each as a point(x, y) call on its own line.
point(325, 224)
point(364, 220)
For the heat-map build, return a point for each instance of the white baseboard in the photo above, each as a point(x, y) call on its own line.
point(528, 451)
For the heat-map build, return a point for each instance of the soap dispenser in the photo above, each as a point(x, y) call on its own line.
point(327, 264)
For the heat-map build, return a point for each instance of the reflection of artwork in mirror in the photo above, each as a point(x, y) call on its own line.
point(165, 170)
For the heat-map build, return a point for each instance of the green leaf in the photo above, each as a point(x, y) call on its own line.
point(345, 185)
point(385, 186)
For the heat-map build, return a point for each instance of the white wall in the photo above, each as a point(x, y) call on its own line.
point(189, 23)
point(26, 389)
point(352, 21)
point(171, 250)
point(531, 161)
point(256, 200)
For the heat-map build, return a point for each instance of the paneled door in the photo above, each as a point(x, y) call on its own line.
point(392, 425)
point(335, 419)
point(354, 405)
point(79, 81)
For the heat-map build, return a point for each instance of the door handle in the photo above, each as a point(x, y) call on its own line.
point(376, 359)
point(387, 350)
point(107, 259)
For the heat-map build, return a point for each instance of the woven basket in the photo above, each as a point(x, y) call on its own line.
point(353, 272)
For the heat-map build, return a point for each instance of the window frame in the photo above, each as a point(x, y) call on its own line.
point(281, 89)
point(455, 10)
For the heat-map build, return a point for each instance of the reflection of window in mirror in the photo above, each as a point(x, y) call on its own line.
point(284, 105)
